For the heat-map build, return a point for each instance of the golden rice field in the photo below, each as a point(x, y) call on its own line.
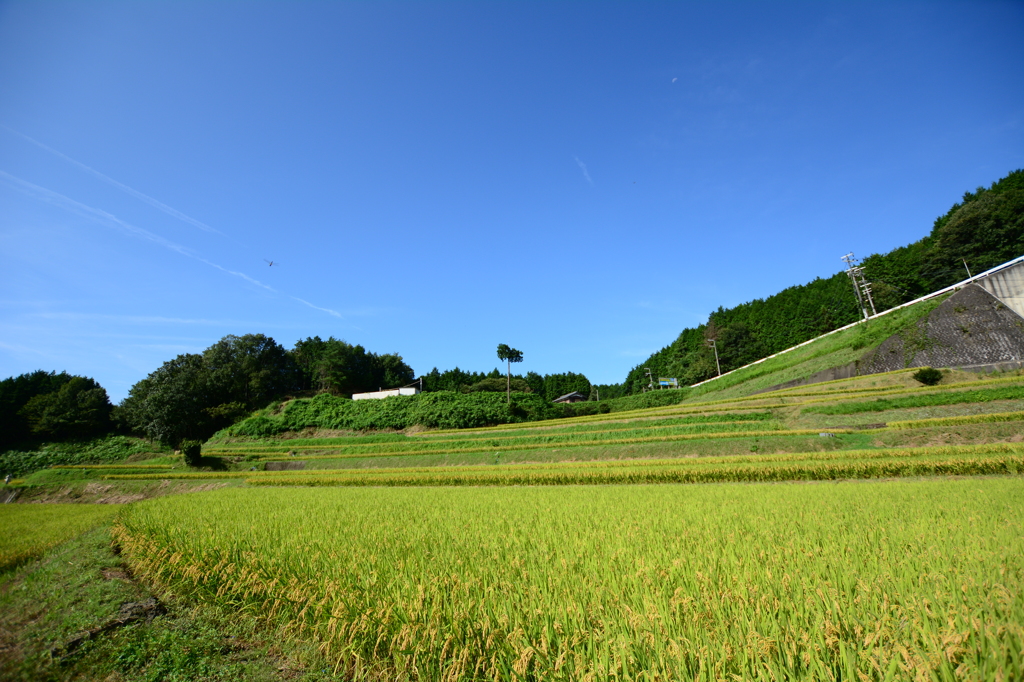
point(961, 460)
point(736, 539)
point(907, 580)
point(29, 530)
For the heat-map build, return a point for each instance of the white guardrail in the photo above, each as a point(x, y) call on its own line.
point(940, 292)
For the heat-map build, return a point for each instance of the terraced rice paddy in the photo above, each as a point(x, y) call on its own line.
point(29, 530)
point(895, 580)
point(597, 548)
point(709, 441)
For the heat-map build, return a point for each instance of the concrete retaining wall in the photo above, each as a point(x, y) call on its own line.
point(971, 327)
point(1008, 286)
point(843, 372)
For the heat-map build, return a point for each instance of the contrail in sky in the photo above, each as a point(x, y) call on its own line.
point(61, 201)
point(174, 213)
point(583, 167)
point(316, 307)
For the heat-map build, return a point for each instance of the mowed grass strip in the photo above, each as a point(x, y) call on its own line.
point(939, 451)
point(112, 466)
point(723, 473)
point(770, 400)
point(894, 580)
point(696, 422)
point(31, 529)
point(540, 438)
point(545, 444)
point(689, 461)
point(542, 428)
point(1001, 458)
point(1015, 392)
point(842, 398)
point(988, 418)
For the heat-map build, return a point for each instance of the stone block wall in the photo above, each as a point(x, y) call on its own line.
point(971, 327)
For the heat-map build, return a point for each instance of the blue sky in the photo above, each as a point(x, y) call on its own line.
point(578, 180)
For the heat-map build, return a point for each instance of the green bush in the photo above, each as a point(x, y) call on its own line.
point(929, 376)
point(105, 450)
point(438, 409)
point(259, 426)
point(192, 450)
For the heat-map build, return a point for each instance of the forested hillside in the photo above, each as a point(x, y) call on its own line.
point(984, 229)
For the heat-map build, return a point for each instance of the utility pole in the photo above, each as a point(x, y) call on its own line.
point(650, 378)
point(714, 346)
point(969, 275)
point(861, 286)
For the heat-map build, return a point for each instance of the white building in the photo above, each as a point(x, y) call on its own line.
point(377, 395)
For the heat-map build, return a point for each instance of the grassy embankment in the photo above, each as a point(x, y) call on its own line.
point(50, 604)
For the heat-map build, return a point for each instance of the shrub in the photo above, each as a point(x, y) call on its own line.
point(100, 450)
point(437, 409)
point(192, 450)
point(259, 426)
point(929, 376)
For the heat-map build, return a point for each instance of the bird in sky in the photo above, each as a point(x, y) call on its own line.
point(270, 262)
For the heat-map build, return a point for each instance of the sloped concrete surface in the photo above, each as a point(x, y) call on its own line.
point(1008, 286)
point(971, 327)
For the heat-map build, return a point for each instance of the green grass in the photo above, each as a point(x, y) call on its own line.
point(528, 442)
point(986, 458)
point(928, 399)
point(81, 584)
point(834, 350)
point(29, 530)
point(834, 467)
point(113, 467)
point(914, 580)
point(109, 449)
point(990, 418)
point(650, 450)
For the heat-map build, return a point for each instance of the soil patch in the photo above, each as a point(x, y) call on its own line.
point(285, 466)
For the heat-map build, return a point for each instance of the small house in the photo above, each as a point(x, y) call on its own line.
point(574, 397)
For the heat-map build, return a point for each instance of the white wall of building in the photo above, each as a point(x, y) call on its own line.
point(377, 395)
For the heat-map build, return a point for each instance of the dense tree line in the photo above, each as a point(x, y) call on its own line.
point(45, 406)
point(339, 368)
point(194, 395)
point(984, 229)
point(549, 386)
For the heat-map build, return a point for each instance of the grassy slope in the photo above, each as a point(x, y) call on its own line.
point(831, 351)
point(112, 448)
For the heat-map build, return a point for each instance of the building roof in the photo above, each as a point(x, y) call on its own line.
point(568, 396)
